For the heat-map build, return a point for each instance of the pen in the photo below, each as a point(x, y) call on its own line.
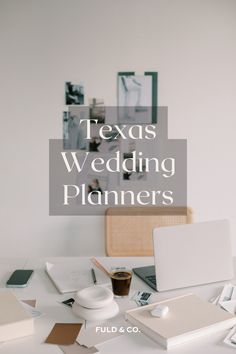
point(94, 276)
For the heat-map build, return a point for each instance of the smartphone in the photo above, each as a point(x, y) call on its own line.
point(19, 278)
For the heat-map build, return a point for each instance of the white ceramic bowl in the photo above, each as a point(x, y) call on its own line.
point(94, 297)
point(98, 314)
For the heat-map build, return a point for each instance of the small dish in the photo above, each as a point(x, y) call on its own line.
point(94, 297)
point(98, 314)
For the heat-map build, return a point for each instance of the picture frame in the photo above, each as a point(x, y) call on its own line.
point(137, 97)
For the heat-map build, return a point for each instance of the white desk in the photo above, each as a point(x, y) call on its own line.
point(42, 289)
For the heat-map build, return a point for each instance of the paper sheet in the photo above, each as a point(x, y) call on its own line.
point(31, 303)
point(227, 293)
point(229, 306)
point(227, 300)
point(31, 310)
point(77, 349)
point(215, 301)
point(64, 333)
point(90, 337)
point(227, 339)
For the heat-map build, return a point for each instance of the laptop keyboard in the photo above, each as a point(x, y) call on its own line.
point(152, 279)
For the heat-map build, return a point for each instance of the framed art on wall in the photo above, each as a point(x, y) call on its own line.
point(137, 97)
point(74, 94)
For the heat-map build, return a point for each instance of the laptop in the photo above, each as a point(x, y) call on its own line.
point(189, 255)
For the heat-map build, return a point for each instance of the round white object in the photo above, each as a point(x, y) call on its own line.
point(160, 311)
point(100, 314)
point(94, 297)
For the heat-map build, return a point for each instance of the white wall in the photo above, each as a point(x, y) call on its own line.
point(191, 43)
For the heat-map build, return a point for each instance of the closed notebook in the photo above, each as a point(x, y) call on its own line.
point(15, 322)
point(189, 317)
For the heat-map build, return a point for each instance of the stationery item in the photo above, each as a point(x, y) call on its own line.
point(233, 294)
point(189, 317)
point(233, 338)
point(19, 278)
point(227, 298)
point(68, 302)
point(63, 278)
point(15, 321)
point(121, 281)
point(229, 306)
point(77, 349)
point(94, 276)
point(100, 266)
point(226, 293)
point(215, 300)
point(64, 333)
point(68, 279)
point(97, 314)
point(228, 339)
point(141, 298)
point(94, 297)
point(90, 337)
point(31, 303)
point(31, 310)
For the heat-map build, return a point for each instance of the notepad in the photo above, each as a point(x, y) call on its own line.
point(90, 337)
point(189, 318)
point(69, 279)
point(77, 349)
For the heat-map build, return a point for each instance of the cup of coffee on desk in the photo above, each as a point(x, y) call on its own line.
point(121, 280)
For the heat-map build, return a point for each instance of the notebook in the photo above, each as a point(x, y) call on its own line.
point(69, 279)
point(189, 318)
point(15, 322)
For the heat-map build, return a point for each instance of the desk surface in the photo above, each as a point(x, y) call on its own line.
point(48, 302)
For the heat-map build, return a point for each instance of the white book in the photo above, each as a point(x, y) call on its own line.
point(15, 321)
point(189, 317)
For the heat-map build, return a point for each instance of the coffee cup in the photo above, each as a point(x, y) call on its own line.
point(121, 280)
